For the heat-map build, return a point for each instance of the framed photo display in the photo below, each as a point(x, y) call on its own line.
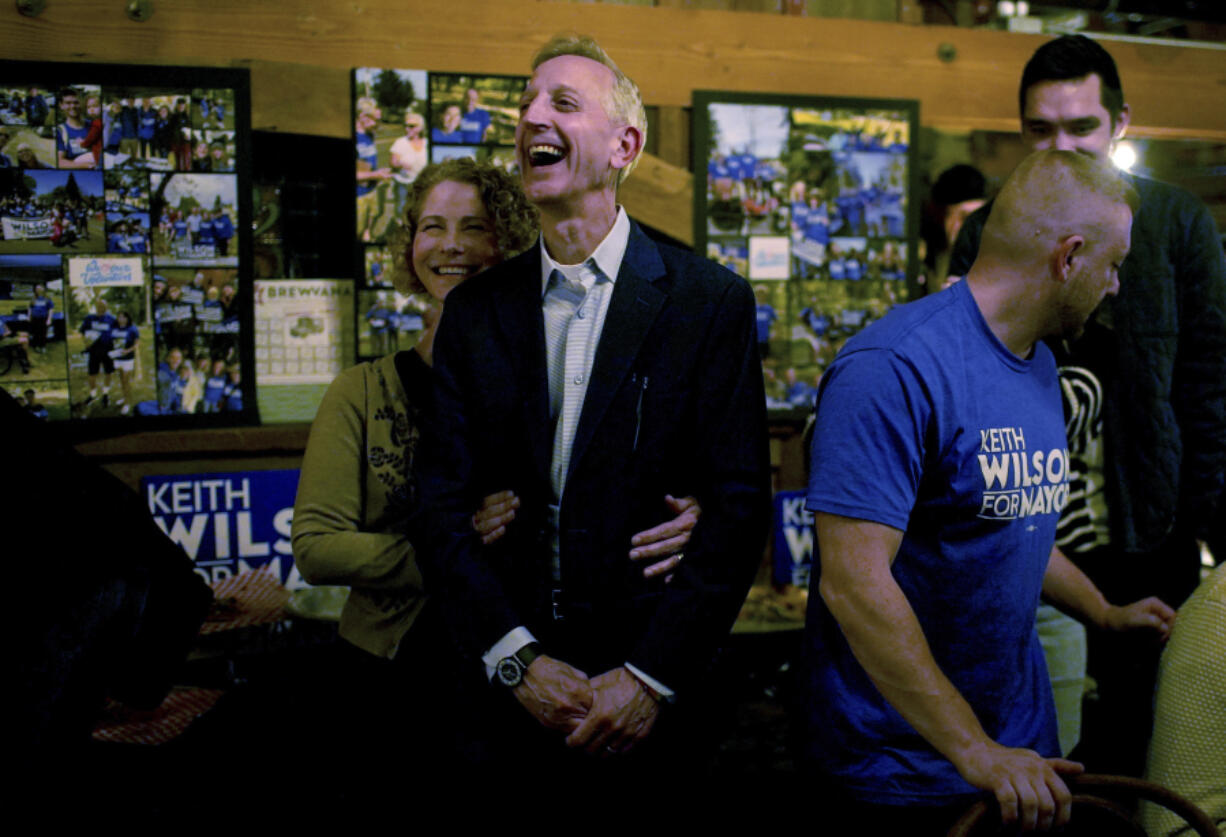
point(811, 199)
point(125, 289)
point(403, 120)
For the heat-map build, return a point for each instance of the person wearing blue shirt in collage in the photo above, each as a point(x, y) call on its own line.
point(98, 329)
point(223, 231)
point(766, 316)
point(233, 402)
point(939, 469)
point(798, 393)
point(125, 337)
point(449, 128)
point(167, 375)
point(6, 162)
point(37, 109)
point(148, 125)
point(208, 231)
point(70, 150)
point(41, 307)
point(215, 387)
point(371, 178)
point(475, 121)
point(382, 334)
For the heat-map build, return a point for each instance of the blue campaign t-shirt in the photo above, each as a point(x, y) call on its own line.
point(473, 126)
point(40, 307)
point(765, 315)
point(439, 135)
point(70, 141)
point(148, 121)
point(215, 392)
point(926, 423)
point(369, 154)
point(127, 336)
point(97, 329)
point(233, 397)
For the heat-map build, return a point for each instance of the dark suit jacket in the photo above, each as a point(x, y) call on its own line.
point(674, 405)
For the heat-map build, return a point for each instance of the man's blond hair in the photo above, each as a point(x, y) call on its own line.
point(624, 104)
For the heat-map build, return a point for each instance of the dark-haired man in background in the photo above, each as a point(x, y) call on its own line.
point(1144, 391)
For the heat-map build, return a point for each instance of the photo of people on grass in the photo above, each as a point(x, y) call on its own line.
point(26, 104)
point(810, 194)
point(109, 335)
point(200, 210)
point(32, 327)
point(472, 110)
point(48, 211)
point(392, 145)
point(120, 238)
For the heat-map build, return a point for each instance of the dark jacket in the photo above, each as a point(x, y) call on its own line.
point(675, 405)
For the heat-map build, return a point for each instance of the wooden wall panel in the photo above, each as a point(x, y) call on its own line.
point(1174, 90)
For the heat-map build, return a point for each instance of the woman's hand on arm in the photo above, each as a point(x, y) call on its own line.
point(496, 513)
point(668, 539)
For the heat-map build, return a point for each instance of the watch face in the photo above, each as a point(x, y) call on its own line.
point(510, 672)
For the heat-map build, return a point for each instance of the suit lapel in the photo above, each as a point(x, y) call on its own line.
point(635, 304)
point(518, 307)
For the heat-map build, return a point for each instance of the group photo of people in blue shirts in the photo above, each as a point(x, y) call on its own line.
point(830, 185)
point(102, 189)
point(195, 219)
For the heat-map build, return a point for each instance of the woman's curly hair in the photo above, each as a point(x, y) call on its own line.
point(515, 220)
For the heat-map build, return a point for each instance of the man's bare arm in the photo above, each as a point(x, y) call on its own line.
point(886, 638)
point(1068, 588)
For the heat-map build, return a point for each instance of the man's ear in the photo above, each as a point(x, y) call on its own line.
point(629, 146)
point(1065, 256)
point(1120, 125)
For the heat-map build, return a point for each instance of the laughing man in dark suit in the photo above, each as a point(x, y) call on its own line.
point(593, 374)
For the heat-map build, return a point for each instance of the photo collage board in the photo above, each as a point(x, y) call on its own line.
point(124, 268)
point(404, 119)
point(811, 199)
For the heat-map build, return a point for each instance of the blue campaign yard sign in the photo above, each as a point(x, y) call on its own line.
point(228, 523)
point(793, 544)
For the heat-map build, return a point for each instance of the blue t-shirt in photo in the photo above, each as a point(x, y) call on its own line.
point(369, 154)
point(148, 122)
point(473, 126)
point(69, 141)
point(215, 392)
point(765, 316)
point(927, 424)
point(40, 307)
point(126, 337)
point(98, 330)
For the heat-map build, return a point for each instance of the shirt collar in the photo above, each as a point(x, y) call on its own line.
point(607, 257)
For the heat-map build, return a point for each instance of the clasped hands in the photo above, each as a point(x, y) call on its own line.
point(604, 715)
